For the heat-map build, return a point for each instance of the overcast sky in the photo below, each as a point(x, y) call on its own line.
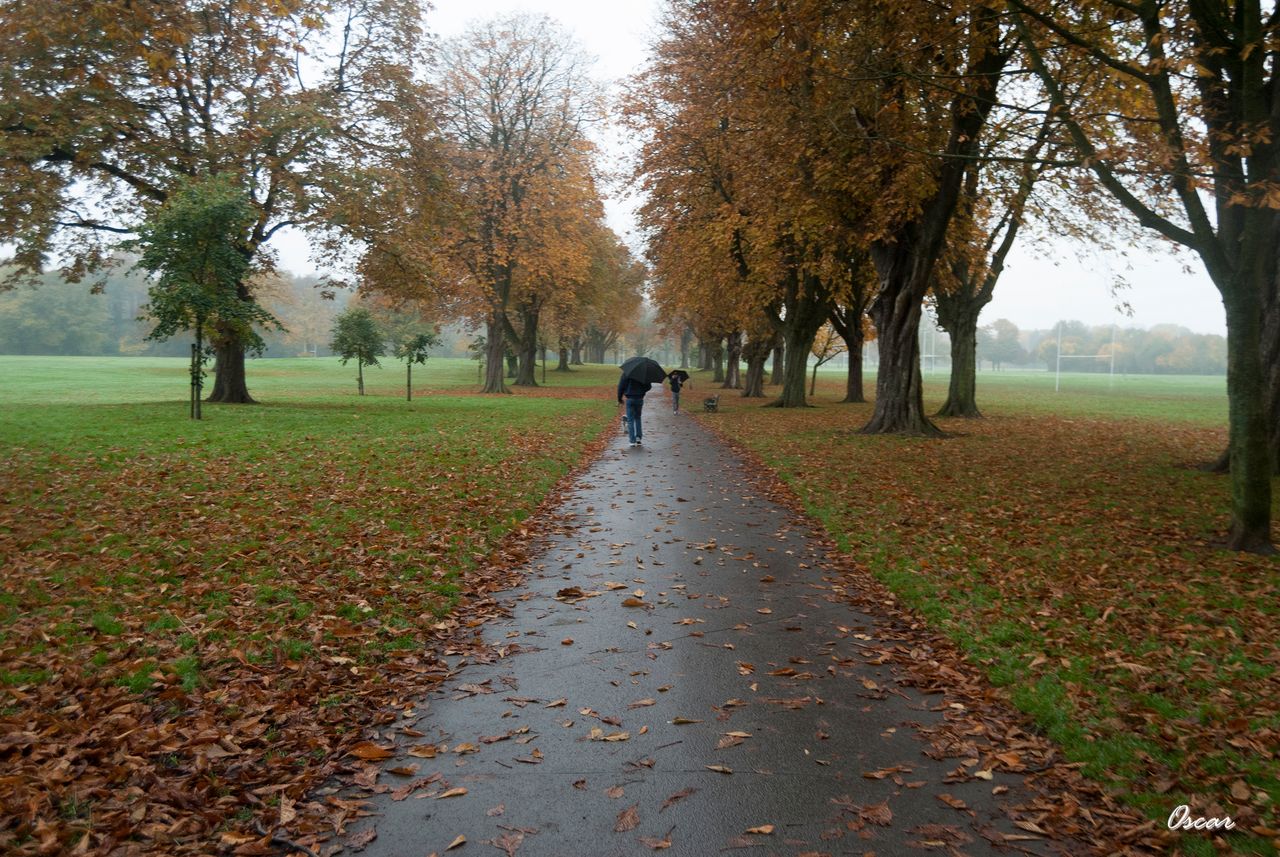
point(1035, 291)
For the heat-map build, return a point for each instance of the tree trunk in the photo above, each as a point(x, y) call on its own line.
point(408, 381)
point(705, 358)
point(733, 363)
point(686, 338)
point(962, 400)
point(813, 383)
point(795, 366)
point(779, 354)
point(757, 355)
point(846, 318)
point(805, 313)
point(899, 407)
point(1270, 351)
point(1249, 435)
point(853, 384)
point(228, 373)
point(527, 367)
point(575, 355)
point(360, 375)
point(717, 362)
point(527, 348)
point(563, 365)
point(513, 365)
point(495, 352)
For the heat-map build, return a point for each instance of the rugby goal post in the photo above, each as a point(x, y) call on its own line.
point(1057, 375)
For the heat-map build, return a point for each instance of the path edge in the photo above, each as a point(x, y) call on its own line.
point(1109, 820)
point(502, 569)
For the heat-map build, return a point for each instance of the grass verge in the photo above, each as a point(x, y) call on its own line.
point(1068, 547)
point(205, 614)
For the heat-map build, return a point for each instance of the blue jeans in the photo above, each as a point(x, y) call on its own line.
point(634, 406)
point(675, 400)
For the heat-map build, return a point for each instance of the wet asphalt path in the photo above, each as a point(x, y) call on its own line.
point(701, 603)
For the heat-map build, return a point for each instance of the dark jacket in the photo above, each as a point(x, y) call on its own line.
point(676, 383)
point(632, 388)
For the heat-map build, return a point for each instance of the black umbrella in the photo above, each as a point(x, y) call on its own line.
point(681, 374)
point(643, 369)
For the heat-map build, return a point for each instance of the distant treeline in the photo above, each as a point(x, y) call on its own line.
point(1165, 349)
point(60, 318)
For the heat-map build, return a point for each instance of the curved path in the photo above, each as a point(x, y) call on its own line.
point(677, 673)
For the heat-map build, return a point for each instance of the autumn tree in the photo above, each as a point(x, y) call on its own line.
point(990, 214)
point(827, 346)
point(725, 253)
point(1186, 138)
point(110, 105)
point(516, 100)
point(610, 302)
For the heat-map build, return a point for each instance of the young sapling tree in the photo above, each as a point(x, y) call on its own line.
point(356, 337)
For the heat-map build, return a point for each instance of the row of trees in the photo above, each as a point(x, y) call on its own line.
point(815, 162)
point(193, 133)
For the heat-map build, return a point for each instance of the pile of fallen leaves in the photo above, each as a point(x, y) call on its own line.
point(190, 643)
point(1074, 563)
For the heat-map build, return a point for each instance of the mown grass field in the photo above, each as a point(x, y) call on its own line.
point(191, 610)
point(1067, 544)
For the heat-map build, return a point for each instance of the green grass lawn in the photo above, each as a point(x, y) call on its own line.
point(1067, 545)
point(122, 380)
point(291, 558)
point(1198, 399)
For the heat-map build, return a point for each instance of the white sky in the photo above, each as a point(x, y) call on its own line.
point(1035, 290)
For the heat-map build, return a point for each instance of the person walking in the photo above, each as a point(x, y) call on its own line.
point(633, 390)
point(676, 379)
point(639, 374)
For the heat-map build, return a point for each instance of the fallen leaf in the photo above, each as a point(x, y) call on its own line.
point(676, 798)
point(457, 791)
point(508, 843)
point(877, 813)
point(371, 752)
point(628, 819)
point(359, 841)
point(458, 842)
point(762, 830)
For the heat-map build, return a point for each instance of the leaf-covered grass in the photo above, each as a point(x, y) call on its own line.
point(192, 609)
point(1068, 545)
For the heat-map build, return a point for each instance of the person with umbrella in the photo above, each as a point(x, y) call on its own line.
point(678, 378)
point(639, 374)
